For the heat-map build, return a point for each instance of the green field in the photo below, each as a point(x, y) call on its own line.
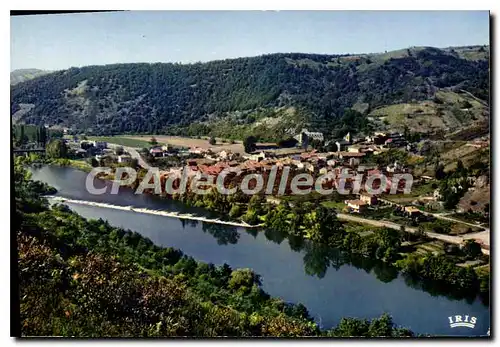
point(79, 164)
point(447, 111)
point(337, 205)
point(433, 247)
point(417, 190)
point(123, 141)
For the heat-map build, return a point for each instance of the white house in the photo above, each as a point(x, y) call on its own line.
point(354, 149)
point(100, 144)
point(223, 155)
point(124, 158)
point(256, 157)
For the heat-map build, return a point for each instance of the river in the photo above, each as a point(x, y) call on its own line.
point(330, 286)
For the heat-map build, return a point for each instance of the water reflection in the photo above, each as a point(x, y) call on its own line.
point(224, 234)
point(318, 259)
point(275, 236)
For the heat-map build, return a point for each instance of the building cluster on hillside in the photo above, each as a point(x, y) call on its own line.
point(375, 144)
point(348, 160)
point(98, 150)
point(86, 148)
point(305, 137)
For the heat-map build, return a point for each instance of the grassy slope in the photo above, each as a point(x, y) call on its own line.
point(448, 114)
point(270, 124)
point(122, 140)
point(21, 75)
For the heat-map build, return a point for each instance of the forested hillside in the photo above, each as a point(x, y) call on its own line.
point(155, 97)
point(22, 75)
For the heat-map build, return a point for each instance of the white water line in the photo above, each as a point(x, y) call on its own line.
point(154, 212)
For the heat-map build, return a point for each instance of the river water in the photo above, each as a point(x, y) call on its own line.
point(330, 286)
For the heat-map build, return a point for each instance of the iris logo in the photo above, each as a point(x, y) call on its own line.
point(462, 321)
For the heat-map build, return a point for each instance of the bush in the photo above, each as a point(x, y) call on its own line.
point(93, 162)
point(235, 211)
point(472, 249)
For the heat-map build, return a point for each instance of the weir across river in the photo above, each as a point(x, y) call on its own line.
point(155, 212)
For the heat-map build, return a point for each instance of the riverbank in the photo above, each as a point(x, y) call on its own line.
point(153, 212)
point(291, 268)
point(183, 290)
point(33, 159)
point(320, 225)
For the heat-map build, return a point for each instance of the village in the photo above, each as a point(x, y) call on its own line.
point(360, 157)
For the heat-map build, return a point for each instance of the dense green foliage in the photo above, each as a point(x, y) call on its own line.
point(454, 186)
point(444, 272)
point(249, 144)
point(23, 134)
point(81, 277)
point(362, 327)
point(21, 75)
point(57, 149)
point(314, 222)
point(153, 97)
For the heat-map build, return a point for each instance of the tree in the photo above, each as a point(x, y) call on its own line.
point(235, 211)
point(349, 327)
point(287, 143)
point(153, 141)
point(318, 145)
point(243, 279)
point(420, 233)
point(378, 327)
point(22, 136)
point(381, 326)
point(486, 208)
point(134, 163)
point(57, 149)
point(86, 145)
point(249, 144)
point(406, 132)
point(212, 141)
point(404, 233)
point(323, 226)
point(119, 150)
point(42, 136)
point(93, 162)
point(460, 171)
point(472, 249)
point(439, 172)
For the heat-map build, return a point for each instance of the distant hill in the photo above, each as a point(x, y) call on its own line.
point(447, 111)
point(311, 90)
point(22, 75)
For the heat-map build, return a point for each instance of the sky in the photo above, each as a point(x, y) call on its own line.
point(54, 42)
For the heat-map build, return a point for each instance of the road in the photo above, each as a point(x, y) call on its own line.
point(456, 239)
point(133, 153)
point(442, 216)
point(483, 236)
